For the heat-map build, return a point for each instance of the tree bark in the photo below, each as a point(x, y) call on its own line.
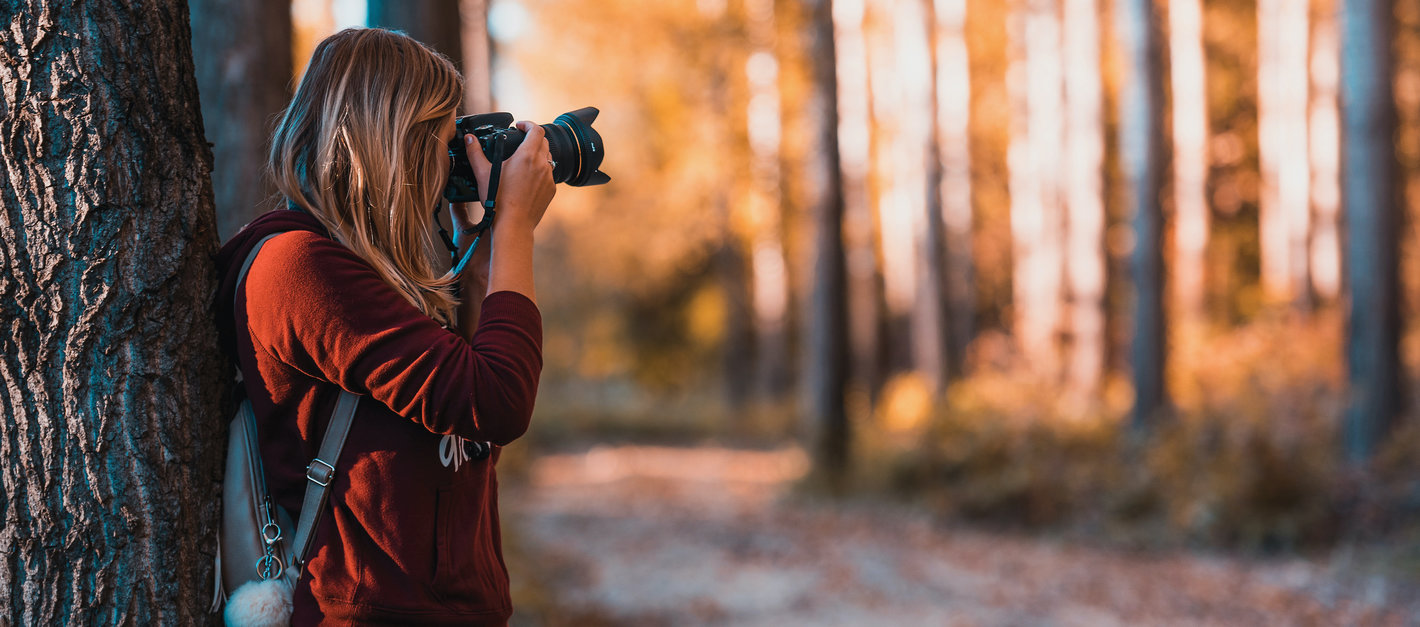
point(242, 50)
point(1140, 126)
point(1373, 216)
point(826, 353)
point(433, 22)
point(113, 384)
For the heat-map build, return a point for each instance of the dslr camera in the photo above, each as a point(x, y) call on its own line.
point(576, 149)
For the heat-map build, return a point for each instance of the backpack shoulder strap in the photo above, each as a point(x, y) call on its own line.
point(321, 470)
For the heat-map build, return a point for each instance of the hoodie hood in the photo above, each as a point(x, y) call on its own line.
point(230, 258)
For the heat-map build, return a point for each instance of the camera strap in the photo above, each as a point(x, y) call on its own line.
point(477, 230)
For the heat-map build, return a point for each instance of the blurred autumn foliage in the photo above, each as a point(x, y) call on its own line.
point(989, 313)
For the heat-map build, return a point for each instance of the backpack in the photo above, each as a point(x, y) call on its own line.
point(260, 552)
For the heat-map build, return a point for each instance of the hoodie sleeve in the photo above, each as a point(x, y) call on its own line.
point(319, 308)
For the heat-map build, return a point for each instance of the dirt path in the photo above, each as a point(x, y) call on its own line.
point(705, 536)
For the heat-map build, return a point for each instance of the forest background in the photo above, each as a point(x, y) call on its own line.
point(1099, 265)
point(1141, 271)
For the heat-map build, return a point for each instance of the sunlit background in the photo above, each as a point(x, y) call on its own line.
point(988, 234)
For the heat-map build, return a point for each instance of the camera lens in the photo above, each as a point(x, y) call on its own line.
point(577, 148)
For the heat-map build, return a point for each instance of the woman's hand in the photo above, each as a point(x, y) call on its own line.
point(525, 189)
point(525, 186)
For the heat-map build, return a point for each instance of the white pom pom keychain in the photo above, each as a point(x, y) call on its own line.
point(260, 604)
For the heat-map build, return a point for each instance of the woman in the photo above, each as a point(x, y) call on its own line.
point(351, 295)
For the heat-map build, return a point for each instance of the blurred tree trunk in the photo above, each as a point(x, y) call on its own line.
point(242, 52)
point(311, 21)
point(1372, 219)
point(952, 95)
point(1190, 156)
point(1140, 127)
point(765, 203)
point(477, 56)
point(916, 24)
point(1037, 217)
point(734, 269)
point(866, 309)
point(733, 265)
point(1084, 198)
point(898, 71)
point(434, 22)
point(1324, 133)
point(825, 366)
point(1284, 212)
point(110, 376)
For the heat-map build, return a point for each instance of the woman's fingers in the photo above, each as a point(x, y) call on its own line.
point(534, 150)
point(479, 161)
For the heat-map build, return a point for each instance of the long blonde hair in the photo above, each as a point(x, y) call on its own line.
point(359, 148)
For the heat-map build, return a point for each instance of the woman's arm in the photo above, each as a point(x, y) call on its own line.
point(320, 309)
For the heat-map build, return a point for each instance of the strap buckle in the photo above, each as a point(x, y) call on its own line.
point(320, 472)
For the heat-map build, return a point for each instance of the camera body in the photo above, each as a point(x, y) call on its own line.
point(576, 149)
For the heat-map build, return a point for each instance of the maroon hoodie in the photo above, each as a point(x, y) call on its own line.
point(411, 533)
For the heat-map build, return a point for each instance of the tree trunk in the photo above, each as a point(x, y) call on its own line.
point(1034, 158)
point(896, 51)
point(1285, 209)
point(733, 269)
point(1140, 125)
point(1084, 198)
point(433, 22)
point(243, 58)
point(770, 289)
point(866, 309)
point(113, 384)
point(1325, 149)
point(1373, 217)
point(826, 355)
point(916, 34)
point(477, 56)
point(953, 132)
point(311, 22)
point(1190, 156)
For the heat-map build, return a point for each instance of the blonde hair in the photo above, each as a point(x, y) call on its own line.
point(359, 148)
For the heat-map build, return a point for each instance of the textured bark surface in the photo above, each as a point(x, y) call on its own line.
point(110, 376)
point(1369, 197)
point(242, 49)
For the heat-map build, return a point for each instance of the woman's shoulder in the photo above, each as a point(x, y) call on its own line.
point(302, 269)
